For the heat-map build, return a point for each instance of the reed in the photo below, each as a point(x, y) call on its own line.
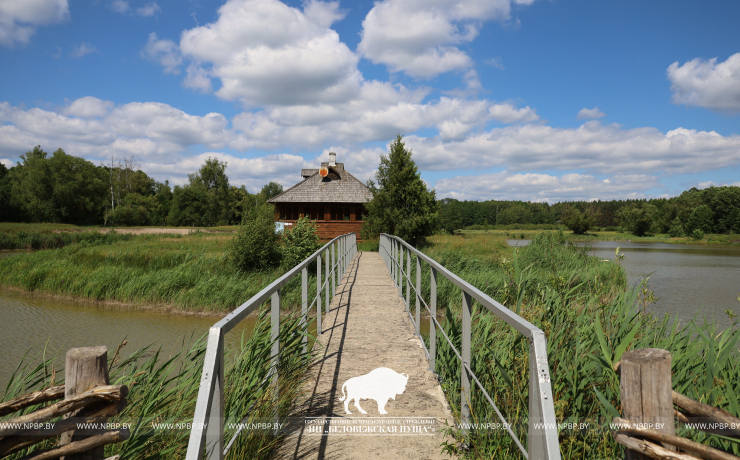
point(589, 321)
point(164, 388)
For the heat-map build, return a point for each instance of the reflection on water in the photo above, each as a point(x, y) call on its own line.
point(689, 280)
point(32, 323)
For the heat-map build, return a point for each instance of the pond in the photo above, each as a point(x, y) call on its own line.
point(688, 280)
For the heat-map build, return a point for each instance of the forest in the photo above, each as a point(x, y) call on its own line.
point(61, 188)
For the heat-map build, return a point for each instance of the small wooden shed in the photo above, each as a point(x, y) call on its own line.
point(330, 196)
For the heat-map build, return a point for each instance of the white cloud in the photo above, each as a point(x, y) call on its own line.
point(590, 114)
point(323, 13)
point(8, 163)
point(265, 52)
point(197, 78)
point(83, 50)
point(88, 107)
point(19, 19)
point(544, 187)
point(707, 84)
point(495, 62)
point(120, 6)
point(148, 10)
point(593, 147)
point(165, 52)
point(419, 37)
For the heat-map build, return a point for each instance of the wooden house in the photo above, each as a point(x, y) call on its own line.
point(330, 196)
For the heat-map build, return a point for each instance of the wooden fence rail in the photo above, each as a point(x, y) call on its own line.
point(88, 399)
point(648, 429)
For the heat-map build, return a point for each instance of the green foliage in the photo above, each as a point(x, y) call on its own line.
point(450, 219)
point(638, 220)
point(255, 246)
point(700, 219)
point(676, 230)
point(190, 207)
point(578, 222)
point(697, 234)
point(271, 190)
point(401, 203)
point(299, 241)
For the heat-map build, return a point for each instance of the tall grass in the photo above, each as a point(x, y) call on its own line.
point(590, 319)
point(49, 240)
point(164, 388)
point(188, 272)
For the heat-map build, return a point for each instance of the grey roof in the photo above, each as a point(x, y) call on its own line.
point(346, 188)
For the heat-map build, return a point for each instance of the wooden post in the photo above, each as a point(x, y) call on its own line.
point(646, 392)
point(85, 368)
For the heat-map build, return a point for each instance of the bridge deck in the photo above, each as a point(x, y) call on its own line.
point(368, 328)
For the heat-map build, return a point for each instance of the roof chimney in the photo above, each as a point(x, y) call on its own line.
point(332, 159)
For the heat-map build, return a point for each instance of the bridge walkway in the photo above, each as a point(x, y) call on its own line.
point(367, 328)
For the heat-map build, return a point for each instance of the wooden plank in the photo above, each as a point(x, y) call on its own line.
point(645, 387)
point(707, 414)
point(695, 448)
point(79, 447)
point(649, 450)
point(32, 399)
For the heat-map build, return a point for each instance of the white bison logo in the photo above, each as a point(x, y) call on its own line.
point(380, 384)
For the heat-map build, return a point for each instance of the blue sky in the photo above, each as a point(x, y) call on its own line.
point(535, 100)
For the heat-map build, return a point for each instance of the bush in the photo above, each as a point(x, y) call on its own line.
point(697, 234)
point(255, 244)
point(299, 242)
point(676, 230)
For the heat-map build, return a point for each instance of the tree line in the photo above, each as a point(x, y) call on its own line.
point(711, 210)
point(61, 188)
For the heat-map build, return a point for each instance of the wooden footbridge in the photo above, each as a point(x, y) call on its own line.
point(373, 390)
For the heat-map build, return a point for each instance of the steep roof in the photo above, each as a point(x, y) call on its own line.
point(338, 187)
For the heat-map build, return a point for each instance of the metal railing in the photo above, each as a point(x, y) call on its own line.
point(542, 439)
point(208, 422)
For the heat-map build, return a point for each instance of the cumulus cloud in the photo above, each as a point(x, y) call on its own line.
point(148, 10)
point(592, 147)
point(165, 52)
point(420, 37)
point(83, 49)
point(544, 187)
point(323, 13)
point(19, 19)
point(120, 6)
point(197, 78)
point(7, 163)
point(267, 53)
point(87, 107)
point(590, 114)
point(705, 83)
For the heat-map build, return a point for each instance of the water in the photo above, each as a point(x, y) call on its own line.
point(689, 280)
point(30, 323)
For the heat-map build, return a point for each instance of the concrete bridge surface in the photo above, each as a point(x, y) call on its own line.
point(368, 328)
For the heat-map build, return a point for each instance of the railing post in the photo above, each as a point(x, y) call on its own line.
point(333, 269)
point(542, 440)
point(418, 293)
point(318, 296)
point(400, 271)
point(467, 304)
point(304, 307)
point(432, 325)
point(215, 428)
point(408, 280)
point(328, 282)
point(275, 331)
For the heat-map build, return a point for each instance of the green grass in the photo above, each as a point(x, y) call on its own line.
point(164, 388)
point(186, 272)
point(590, 319)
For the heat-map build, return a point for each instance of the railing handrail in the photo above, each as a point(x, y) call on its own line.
point(207, 429)
point(543, 435)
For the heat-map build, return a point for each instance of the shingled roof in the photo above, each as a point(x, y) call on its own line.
point(338, 187)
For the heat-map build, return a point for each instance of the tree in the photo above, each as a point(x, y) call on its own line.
point(300, 240)
point(578, 222)
point(449, 217)
point(254, 246)
point(676, 230)
point(700, 219)
point(638, 220)
point(211, 177)
point(401, 203)
point(190, 207)
point(271, 190)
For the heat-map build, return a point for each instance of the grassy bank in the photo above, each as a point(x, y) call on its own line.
point(724, 239)
point(590, 320)
point(186, 272)
point(164, 388)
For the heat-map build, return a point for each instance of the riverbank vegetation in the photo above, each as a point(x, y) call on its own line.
point(590, 319)
point(163, 389)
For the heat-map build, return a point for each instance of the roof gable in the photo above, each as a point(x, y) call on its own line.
point(346, 188)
